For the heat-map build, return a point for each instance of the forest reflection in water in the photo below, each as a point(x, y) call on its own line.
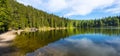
point(68, 42)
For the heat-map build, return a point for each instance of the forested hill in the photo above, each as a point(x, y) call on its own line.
point(14, 15)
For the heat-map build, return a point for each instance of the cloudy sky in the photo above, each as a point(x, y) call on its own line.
point(77, 9)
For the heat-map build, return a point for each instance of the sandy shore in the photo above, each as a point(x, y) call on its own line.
point(6, 38)
point(5, 43)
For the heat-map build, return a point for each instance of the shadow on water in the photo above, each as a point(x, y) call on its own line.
point(7, 49)
point(31, 41)
point(4, 50)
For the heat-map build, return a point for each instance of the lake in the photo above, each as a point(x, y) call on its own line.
point(69, 42)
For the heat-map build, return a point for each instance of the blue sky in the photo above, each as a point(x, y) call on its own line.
point(77, 9)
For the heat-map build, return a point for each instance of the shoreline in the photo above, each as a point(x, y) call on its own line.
point(46, 29)
point(6, 38)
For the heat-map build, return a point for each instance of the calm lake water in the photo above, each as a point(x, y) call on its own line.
point(72, 42)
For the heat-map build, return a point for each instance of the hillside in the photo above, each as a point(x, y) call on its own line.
point(19, 16)
point(14, 15)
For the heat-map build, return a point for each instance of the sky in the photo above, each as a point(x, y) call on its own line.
point(77, 9)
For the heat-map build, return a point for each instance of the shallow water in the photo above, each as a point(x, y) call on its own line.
point(72, 42)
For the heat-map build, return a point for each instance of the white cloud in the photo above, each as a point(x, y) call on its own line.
point(24, 2)
point(33, 3)
point(115, 9)
point(75, 7)
point(55, 6)
point(84, 7)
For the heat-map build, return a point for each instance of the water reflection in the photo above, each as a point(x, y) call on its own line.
point(81, 46)
point(50, 41)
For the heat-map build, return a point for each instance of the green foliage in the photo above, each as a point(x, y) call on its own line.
point(4, 15)
point(26, 16)
point(104, 22)
point(14, 15)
